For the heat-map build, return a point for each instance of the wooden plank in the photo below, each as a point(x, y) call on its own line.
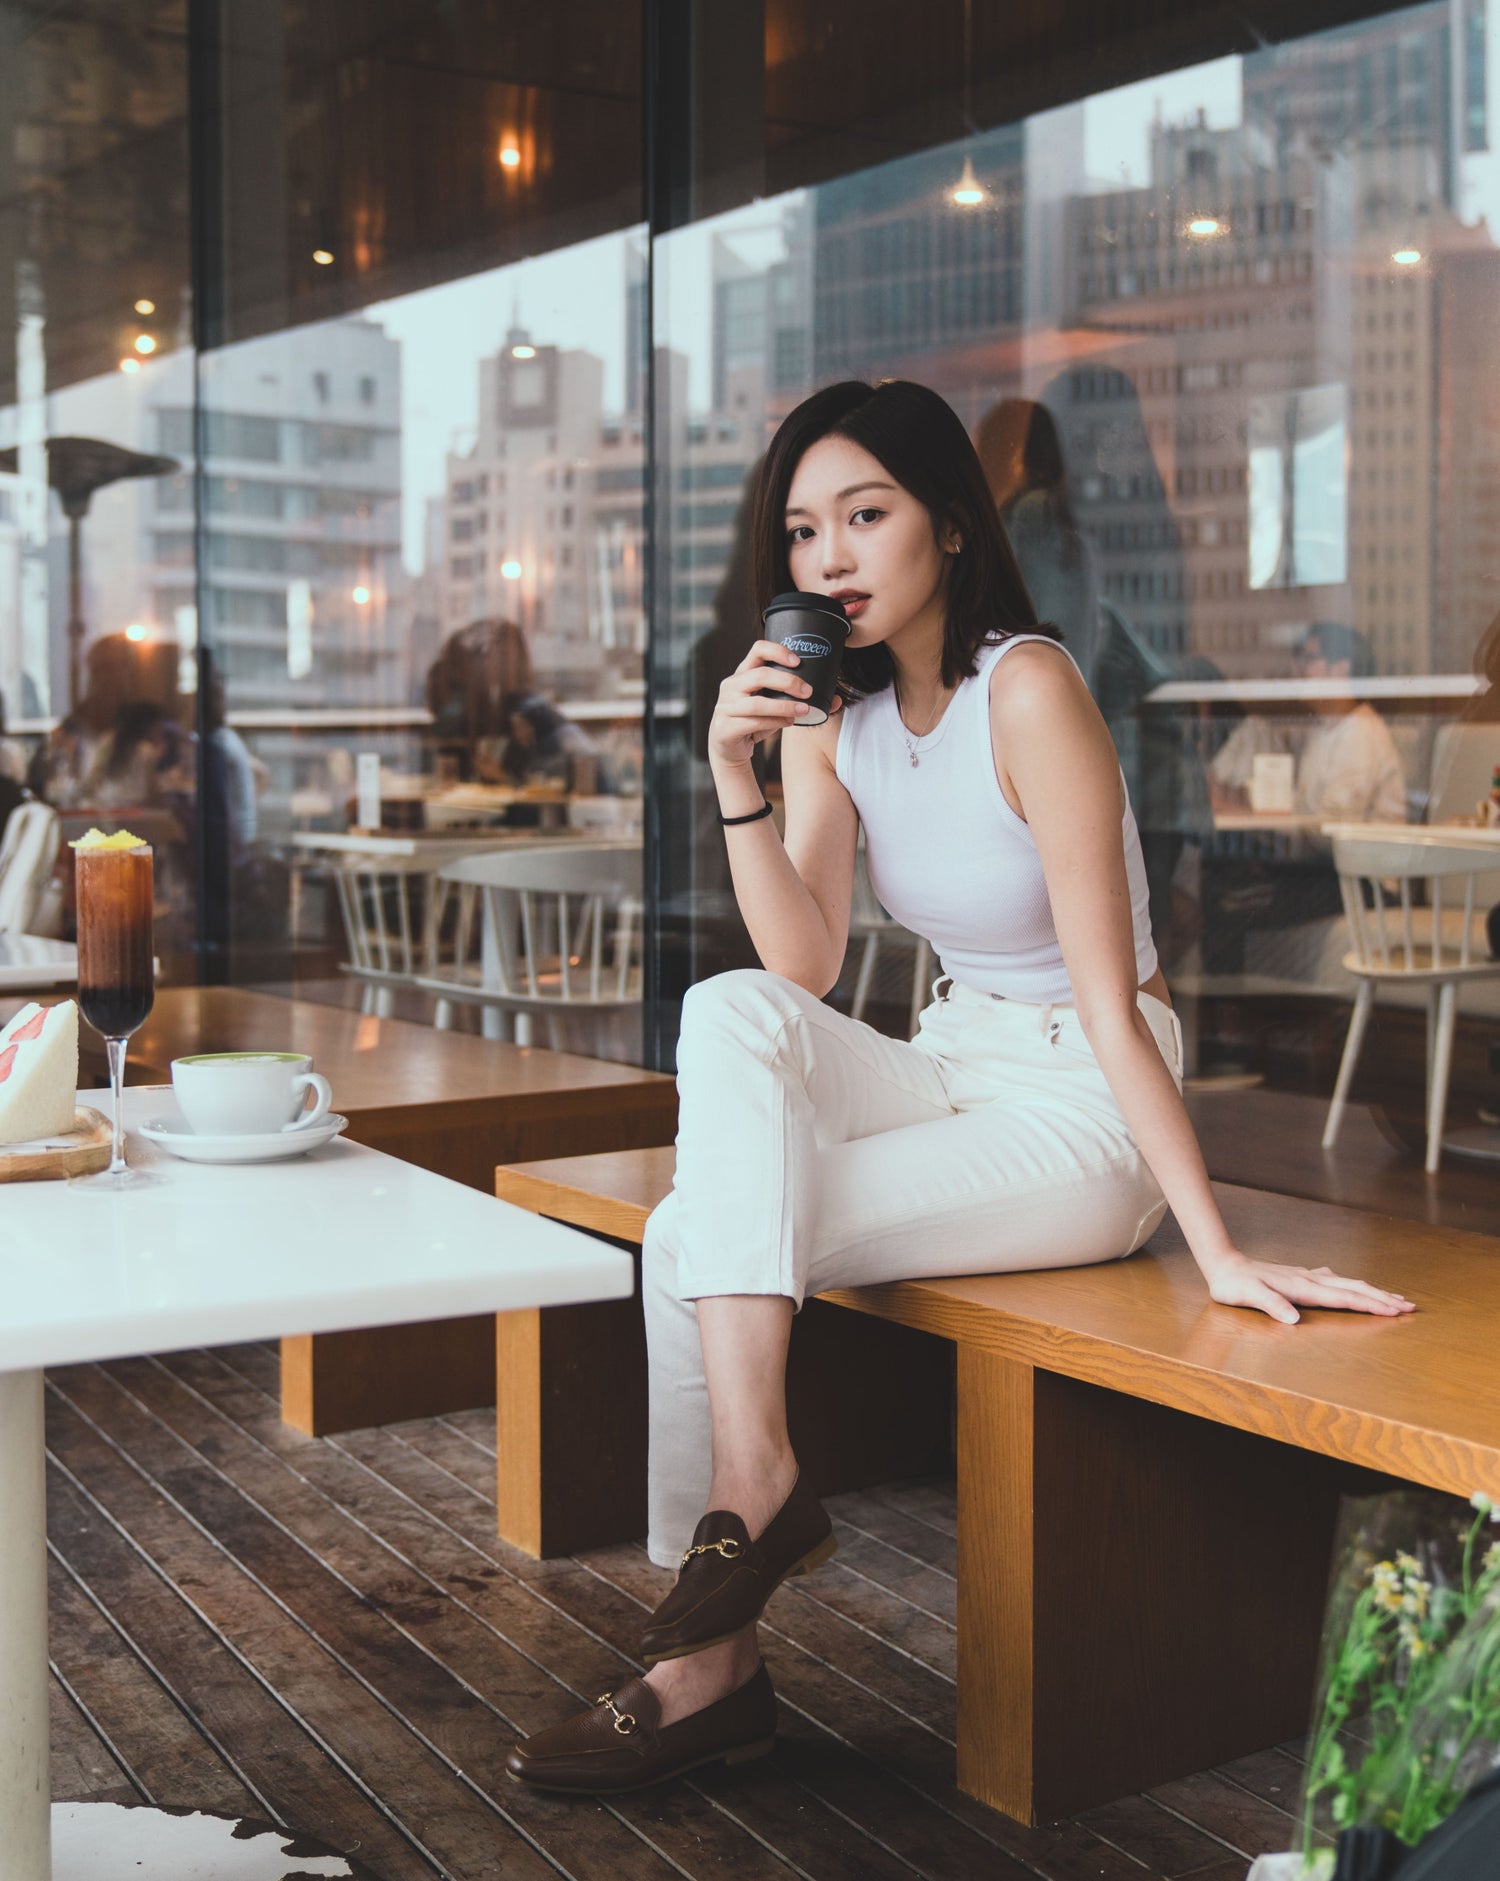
point(84, 1770)
point(390, 1756)
point(467, 1618)
point(168, 1758)
point(209, 1677)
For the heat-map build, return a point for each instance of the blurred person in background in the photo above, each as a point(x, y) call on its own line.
point(546, 747)
point(1022, 456)
point(1020, 444)
point(57, 770)
point(470, 687)
point(130, 760)
point(1347, 765)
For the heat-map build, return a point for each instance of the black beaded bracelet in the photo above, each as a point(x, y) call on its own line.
point(754, 816)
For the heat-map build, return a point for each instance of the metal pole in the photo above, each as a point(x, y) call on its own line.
point(75, 611)
point(25, 1770)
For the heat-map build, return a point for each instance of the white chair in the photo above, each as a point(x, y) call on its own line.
point(870, 925)
point(1436, 941)
point(393, 909)
point(28, 855)
point(559, 936)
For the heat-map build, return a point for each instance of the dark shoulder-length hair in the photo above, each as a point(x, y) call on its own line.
point(916, 436)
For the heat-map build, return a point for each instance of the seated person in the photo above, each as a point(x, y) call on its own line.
point(1348, 767)
point(544, 746)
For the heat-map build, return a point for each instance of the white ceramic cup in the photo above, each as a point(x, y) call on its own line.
point(249, 1093)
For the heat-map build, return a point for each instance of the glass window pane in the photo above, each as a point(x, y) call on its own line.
point(1224, 341)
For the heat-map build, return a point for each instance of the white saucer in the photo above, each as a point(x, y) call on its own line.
point(174, 1135)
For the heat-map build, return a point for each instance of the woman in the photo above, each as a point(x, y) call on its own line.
point(1035, 1121)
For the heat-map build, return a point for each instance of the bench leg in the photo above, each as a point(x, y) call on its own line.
point(1140, 1592)
point(570, 1426)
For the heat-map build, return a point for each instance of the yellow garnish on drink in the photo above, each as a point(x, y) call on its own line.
point(95, 839)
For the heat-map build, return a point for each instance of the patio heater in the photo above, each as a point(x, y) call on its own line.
point(76, 468)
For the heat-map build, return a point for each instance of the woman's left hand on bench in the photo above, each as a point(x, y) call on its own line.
point(1274, 1288)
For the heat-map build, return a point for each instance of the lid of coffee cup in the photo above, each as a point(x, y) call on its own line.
point(809, 604)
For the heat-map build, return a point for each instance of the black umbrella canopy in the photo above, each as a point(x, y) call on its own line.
point(77, 467)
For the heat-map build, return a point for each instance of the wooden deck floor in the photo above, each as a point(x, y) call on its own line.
point(328, 1633)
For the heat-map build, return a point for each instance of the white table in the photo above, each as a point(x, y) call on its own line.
point(29, 961)
point(340, 1238)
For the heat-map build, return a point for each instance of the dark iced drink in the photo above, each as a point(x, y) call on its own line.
point(115, 980)
point(814, 628)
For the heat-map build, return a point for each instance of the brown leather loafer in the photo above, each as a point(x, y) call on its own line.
point(622, 1745)
point(726, 1578)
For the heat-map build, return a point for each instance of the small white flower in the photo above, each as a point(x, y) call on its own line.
point(1485, 1505)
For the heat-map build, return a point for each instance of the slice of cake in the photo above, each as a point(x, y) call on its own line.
point(38, 1073)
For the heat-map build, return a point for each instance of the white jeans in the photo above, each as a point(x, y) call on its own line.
point(814, 1152)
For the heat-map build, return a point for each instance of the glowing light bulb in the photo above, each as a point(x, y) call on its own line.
point(969, 190)
point(1205, 225)
point(145, 307)
point(361, 596)
point(130, 365)
point(523, 352)
point(323, 257)
point(135, 631)
point(510, 157)
point(144, 343)
point(511, 570)
point(1407, 257)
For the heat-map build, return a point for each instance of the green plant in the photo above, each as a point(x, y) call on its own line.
point(1420, 1657)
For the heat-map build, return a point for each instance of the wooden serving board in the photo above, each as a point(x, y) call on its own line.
point(86, 1147)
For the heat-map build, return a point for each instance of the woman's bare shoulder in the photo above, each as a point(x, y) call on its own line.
point(1036, 677)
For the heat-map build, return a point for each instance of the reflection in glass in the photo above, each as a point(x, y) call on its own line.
point(1298, 537)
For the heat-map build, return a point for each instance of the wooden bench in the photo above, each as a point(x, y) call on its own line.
point(446, 1101)
point(1147, 1482)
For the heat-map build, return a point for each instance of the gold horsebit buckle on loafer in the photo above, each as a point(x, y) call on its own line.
point(728, 1547)
point(624, 1720)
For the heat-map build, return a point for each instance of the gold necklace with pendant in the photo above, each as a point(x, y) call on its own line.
point(913, 742)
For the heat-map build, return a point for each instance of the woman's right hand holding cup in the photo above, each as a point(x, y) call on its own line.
point(744, 717)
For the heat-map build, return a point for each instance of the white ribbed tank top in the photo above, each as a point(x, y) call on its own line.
point(950, 859)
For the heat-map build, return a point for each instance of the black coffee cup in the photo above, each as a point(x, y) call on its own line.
point(814, 628)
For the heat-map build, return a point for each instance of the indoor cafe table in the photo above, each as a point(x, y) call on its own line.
point(209, 1254)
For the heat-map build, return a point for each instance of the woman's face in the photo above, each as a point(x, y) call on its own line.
point(855, 534)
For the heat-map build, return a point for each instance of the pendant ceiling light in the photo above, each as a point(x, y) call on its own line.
point(968, 192)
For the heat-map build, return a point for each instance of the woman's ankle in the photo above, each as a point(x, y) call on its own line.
point(686, 1685)
point(754, 1485)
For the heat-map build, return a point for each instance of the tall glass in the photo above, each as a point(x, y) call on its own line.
point(116, 981)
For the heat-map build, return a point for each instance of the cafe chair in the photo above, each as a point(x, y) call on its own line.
point(28, 855)
point(1414, 920)
point(544, 933)
point(393, 909)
